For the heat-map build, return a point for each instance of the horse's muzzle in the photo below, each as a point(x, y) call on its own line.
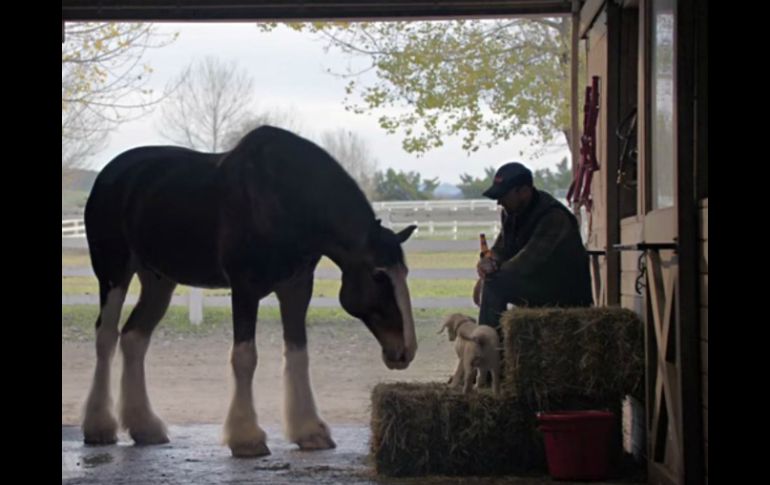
point(397, 359)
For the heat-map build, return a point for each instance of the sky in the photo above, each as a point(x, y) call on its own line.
point(289, 71)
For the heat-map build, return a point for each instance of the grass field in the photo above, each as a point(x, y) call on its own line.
point(78, 320)
point(87, 285)
point(419, 288)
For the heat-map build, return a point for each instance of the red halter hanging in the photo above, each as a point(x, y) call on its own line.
point(579, 193)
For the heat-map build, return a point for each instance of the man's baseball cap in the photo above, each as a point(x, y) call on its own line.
point(510, 175)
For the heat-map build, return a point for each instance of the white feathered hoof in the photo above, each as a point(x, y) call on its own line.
point(245, 438)
point(100, 429)
point(150, 431)
point(249, 449)
point(317, 437)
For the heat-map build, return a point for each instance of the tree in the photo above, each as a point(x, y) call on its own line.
point(392, 185)
point(83, 134)
point(348, 148)
point(352, 152)
point(484, 80)
point(473, 188)
point(280, 118)
point(556, 183)
point(104, 83)
point(208, 100)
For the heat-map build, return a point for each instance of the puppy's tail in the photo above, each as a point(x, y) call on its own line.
point(480, 340)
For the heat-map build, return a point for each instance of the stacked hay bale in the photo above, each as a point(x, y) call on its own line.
point(420, 429)
point(556, 355)
point(554, 359)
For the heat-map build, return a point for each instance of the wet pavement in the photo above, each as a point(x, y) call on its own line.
point(195, 455)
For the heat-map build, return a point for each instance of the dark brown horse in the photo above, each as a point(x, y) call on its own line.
point(257, 220)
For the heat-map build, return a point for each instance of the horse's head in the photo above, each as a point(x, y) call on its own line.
point(374, 290)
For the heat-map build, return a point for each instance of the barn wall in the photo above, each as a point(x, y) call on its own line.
point(703, 220)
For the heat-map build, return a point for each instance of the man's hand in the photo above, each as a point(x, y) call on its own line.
point(486, 266)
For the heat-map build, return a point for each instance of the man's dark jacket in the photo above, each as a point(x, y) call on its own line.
point(542, 249)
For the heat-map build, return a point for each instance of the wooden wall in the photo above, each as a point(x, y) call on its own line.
point(703, 223)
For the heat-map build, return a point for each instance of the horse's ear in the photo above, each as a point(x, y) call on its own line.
point(404, 234)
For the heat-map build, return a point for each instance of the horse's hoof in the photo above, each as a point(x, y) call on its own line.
point(317, 441)
point(106, 437)
point(249, 450)
point(149, 438)
point(100, 430)
point(148, 431)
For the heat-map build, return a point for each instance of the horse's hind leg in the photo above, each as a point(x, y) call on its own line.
point(99, 423)
point(302, 423)
point(136, 414)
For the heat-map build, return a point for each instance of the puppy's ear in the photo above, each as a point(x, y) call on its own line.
point(451, 325)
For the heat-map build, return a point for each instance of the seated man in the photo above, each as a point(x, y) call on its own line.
point(538, 258)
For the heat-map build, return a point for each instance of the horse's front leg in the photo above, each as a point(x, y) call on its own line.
point(242, 432)
point(302, 423)
point(136, 414)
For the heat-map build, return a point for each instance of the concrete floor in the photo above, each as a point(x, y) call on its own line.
point(195, 456)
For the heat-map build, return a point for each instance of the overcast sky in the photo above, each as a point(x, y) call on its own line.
point(289, 70)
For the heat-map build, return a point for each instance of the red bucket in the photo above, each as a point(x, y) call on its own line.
point(577, 443)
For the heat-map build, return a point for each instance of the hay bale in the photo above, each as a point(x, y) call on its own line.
point(420, 429)
point(554, 356)
point(554, 359)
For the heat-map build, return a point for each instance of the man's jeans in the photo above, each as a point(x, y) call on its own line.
point(501, 288)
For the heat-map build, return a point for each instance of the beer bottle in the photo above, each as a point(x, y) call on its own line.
point(485, 251)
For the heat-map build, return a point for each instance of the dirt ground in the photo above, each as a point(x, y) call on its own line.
point(188, 377)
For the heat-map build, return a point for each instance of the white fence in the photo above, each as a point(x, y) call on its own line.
point(431, 205)
point(73, 228)
point(441, 219)
point(447, 230)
